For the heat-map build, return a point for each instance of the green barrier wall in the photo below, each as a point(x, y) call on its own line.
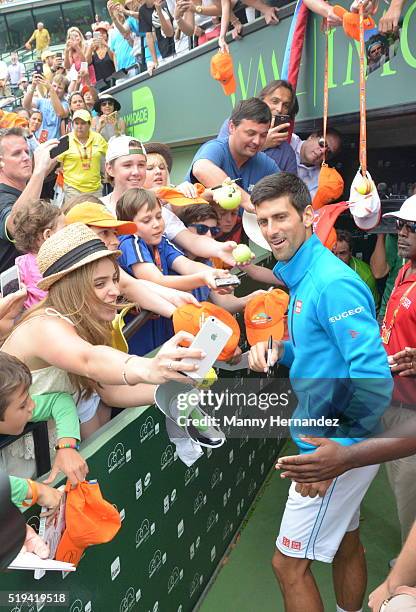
point(177, 521)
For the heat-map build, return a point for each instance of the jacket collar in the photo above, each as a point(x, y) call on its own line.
point(292, 272)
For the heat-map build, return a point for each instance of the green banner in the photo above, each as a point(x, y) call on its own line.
point(177, 521)
point(183, 103)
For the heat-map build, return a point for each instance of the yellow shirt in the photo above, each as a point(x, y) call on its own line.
point(42, 39)
point(81, 163)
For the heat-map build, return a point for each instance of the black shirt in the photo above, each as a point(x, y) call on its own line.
point(8, 253)
point(149, 21)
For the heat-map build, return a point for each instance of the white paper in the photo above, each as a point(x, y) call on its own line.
point(30, 561)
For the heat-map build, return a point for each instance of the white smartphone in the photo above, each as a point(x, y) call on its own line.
point(211, 338)
point(10, 281)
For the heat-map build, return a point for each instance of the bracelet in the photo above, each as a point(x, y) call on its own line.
point(35, 493)
point(123, 374)
point(74, 445)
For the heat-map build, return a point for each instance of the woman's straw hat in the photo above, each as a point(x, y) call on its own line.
point(69, 249)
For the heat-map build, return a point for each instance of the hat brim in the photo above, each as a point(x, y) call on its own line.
point(121, 227)
point(97, 105)
point(398, 215)
point(369, 222)
point(68, 551)
point(252, 230)
point(47, 282)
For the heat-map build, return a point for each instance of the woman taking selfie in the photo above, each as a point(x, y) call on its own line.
point(66, 340)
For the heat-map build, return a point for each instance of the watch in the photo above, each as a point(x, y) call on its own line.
point(198, 9)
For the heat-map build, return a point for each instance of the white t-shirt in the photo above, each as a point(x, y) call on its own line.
point(173, 225)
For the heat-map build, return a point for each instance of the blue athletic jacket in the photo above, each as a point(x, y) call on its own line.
point(334, 337)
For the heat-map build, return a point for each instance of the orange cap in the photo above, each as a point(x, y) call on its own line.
point(188, 318)
point(97, 215)
point(89, 520)
point(330, 187)
point(264, 316)
point(324, 220)
point(176, 197)
point(351, 22)
point(222, 70)
point(9, 120)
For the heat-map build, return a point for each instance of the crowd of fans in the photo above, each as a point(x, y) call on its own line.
point(92, 227)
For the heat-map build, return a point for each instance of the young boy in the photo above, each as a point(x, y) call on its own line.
point(17, 408)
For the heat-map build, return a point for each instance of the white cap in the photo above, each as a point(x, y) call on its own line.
point(119, 146)
point(365, 209)
point(252, 230)
point(407, 210)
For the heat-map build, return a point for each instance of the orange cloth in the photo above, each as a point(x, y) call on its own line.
point(330, 187)
point(351, 22)
point(222, 70)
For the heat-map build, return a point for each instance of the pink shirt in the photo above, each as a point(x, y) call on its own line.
point(30, 276)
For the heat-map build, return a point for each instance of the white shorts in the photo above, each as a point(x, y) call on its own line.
point(87, 408)
point(312, 528)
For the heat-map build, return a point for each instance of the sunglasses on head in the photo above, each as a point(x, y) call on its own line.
point(202, 229)
point(410, 225)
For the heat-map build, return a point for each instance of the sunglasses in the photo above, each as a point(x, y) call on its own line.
point(202, 229)
point(322, 144)
point(410, 225)
point(107, 103)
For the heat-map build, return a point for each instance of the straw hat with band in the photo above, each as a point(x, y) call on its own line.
point(97, 215)
point(106, 98)
point(71, 248)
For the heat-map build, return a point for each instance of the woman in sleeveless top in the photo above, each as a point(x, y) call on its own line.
point(70, 330)
point(99, 54)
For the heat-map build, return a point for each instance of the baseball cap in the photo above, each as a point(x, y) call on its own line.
point(119, 146)
point(176, 197)
point(407, 210)
point(252, 230)
point(324, 221)
point(330, 187)
point(222, 70)
point(89, 520)
point(264, 316)
point(365, 209)
point(82, 114)
point(97, 215)
point(47, 53)
point(190, 318)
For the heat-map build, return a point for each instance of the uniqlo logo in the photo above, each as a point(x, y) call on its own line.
point(286, 542)
point(406, 302)
point(353, 333)
point(298, 306)
point(296, 545)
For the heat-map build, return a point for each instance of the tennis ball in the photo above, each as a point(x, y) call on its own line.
point(242, 254)
point(364, 186)
point(210, 378)
point(228, 196)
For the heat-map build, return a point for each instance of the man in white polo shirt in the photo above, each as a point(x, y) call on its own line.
point(126, 165)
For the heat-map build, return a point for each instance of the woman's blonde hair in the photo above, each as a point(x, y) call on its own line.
point(73, 296)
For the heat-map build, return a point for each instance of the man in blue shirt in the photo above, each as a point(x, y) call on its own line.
point(240, 156)
point(279, 96)
point(339, 371)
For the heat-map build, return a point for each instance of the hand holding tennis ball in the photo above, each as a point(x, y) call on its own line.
point(228, 196)
point(242, 254)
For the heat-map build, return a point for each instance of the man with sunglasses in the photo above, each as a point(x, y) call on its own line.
point(310, 155)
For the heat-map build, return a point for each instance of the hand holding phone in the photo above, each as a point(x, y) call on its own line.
point(228, 281)
point(61, 147)
point(10, 281)
point(211, 339)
